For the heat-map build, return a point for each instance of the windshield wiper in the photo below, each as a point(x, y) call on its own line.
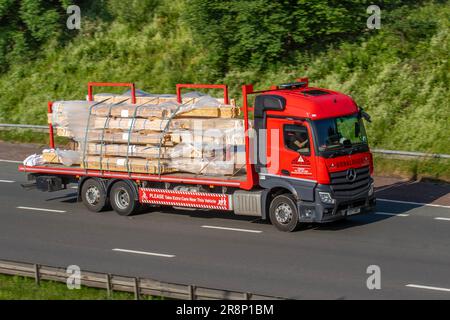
point(346, 150)
point(356, 148)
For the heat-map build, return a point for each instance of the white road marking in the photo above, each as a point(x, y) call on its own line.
point(145, 253)
point(7, 181)
point(41, 209)
point(415, 203)
point(392, 214)
point(427, 287)
point(443, 219)
point(10, 161)
point(232, 229)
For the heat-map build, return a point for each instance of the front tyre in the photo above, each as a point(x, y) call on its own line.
point(123, 199)
point(284, 213)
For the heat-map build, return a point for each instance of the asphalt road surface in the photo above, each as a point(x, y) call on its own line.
point(409, 242)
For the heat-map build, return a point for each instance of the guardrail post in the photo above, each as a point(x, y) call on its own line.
point(191, 292)
point(108, 285)
point(247, 296)
point(37, 275)
point(136, 289)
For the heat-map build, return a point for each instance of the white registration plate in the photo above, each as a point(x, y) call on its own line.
point(353, 211)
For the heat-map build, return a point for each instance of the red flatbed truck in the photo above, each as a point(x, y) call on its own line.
point(307, 160)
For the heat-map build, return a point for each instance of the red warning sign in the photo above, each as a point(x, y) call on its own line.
point(185, 199)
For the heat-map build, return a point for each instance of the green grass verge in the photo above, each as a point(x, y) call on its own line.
point(20, 288)
point(29, 136)
point(430, 169)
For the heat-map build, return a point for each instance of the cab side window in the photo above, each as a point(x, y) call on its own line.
point(296, 138)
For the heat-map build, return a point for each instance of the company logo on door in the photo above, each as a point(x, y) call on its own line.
point(302, 166)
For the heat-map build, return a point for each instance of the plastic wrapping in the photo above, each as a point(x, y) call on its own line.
point(151, 98)
point(68, 157)
point(71, 116)
point(162, 111)
point(157, 135)
point(34, 160)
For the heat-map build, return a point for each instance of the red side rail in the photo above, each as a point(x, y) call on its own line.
point(252, 177)
point(112, 84)
point(50, 126)
point(79, 172)
point(204, 86)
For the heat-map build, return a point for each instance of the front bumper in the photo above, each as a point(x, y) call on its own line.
point(343, 207)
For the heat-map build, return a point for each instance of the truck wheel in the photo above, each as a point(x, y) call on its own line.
point(93, 195)
point(123, 199)
point(283, 213)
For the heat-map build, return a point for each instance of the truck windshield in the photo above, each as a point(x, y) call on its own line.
point(343, 133)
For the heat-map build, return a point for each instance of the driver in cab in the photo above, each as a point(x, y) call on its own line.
point(298, 141)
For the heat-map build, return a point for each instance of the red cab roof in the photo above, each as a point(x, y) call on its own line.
point(314, 103)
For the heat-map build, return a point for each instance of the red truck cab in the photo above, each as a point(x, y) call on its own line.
point(313, 153)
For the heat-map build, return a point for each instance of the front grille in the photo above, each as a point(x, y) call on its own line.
point(342, 187)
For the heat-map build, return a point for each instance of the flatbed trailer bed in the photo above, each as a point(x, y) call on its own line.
point(245, 180)
point(188, 178)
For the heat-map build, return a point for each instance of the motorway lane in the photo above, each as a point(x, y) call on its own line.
point(319, 262)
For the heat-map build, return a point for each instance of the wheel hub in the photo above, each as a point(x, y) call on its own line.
point(93, 195)
point(122, 199)
point(283, 213)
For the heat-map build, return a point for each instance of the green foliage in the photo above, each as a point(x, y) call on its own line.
point(398, 73)
point(414, 169)
point(19, 288)
point(402, 81)
point(260, 33)
point(42, 24)
point(25, 25)
point(134, 13)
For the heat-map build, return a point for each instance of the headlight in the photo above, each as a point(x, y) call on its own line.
point(371, 190)
point(325, 197)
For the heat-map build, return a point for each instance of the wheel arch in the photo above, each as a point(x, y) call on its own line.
point(301, 189)
point(269, 195)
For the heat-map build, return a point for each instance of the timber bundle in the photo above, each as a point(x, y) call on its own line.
point(156, 135)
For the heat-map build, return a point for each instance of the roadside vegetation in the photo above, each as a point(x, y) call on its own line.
point(436, 170)
point(20, 288)
point(399, 73)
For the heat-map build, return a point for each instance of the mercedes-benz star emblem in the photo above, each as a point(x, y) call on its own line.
point(351, 175)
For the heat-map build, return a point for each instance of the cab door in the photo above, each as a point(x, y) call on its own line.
point(294, 149)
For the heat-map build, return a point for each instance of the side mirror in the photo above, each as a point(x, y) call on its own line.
point(365, 115)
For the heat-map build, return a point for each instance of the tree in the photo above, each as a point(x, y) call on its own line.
point(25, 25)
point(134, 13)
point(259, 33)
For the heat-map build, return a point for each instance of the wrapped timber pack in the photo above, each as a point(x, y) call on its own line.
point(157, 135)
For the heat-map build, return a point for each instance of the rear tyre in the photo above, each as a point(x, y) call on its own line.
point(284, 213)
point(123, 199)
point(93, 195)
